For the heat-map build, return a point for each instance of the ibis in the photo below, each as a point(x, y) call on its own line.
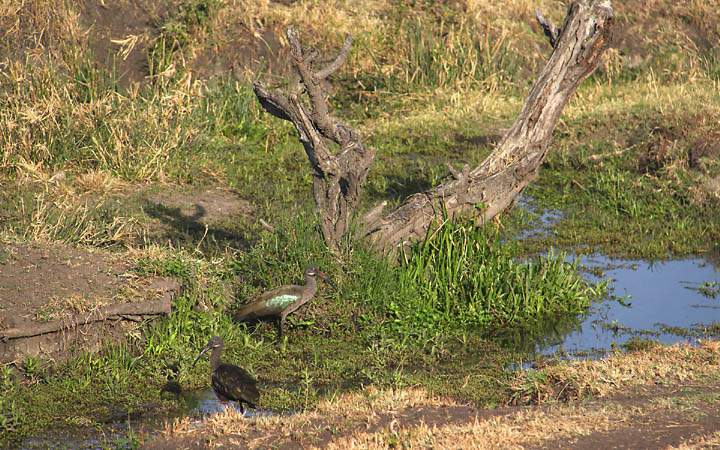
point(230, 382)
point(280, 302)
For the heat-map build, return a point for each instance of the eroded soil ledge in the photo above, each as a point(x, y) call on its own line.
point(58, 300)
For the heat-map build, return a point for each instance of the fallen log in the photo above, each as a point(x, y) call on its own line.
point(162, 306)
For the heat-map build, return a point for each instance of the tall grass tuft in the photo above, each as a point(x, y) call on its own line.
point(463, 274)
point(189, 23)
point(452, 55)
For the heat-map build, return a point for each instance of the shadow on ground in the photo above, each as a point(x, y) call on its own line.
point(209, 219)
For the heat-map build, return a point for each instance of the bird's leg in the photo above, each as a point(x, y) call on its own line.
point(242, 409)
point(279, 324)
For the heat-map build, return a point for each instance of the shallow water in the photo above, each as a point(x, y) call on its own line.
point(204, 402)
point(542, 224)
point(113, 435)
point(669, 302)
point(119, 433)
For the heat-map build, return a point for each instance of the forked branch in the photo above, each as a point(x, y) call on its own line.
point(338, 62)
point(338, 177)
point(552, 33)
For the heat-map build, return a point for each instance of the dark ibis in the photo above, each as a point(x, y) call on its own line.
point(280, 302)
point(230, 382)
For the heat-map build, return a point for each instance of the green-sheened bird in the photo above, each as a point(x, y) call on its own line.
point(280, 302)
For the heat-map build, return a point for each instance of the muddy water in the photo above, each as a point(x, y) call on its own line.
point(121, 433)
point(205, 402)
point(668, 302)
point(541, 223)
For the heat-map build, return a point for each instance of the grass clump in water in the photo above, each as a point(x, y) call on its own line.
point(462, 274)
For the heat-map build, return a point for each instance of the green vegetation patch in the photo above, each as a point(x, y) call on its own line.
point(462, 274)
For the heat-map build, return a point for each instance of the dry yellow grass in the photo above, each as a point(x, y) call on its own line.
point(362, 406)
point(512, 431)
point(34, 114)
point(688, 26)
point(58, 308)
point(351, 409)
point(623, 371)
point(50, 217)
point(548, 426)
point(702, 442)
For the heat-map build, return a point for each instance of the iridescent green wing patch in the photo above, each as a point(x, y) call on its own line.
point(282, 301)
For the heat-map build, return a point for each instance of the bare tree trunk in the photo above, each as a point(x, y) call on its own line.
point(491, 187)
point(338, 178)
point(482, 192)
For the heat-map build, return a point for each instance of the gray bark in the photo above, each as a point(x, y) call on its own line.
point(488, 189)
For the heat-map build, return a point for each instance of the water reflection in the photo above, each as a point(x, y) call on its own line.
point(204, 402)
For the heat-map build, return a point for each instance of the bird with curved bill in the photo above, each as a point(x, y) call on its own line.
point(280, 302)
point(230, 382)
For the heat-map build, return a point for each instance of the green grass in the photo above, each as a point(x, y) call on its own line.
point(621, 207)
point(622, 214)
point(463, 274)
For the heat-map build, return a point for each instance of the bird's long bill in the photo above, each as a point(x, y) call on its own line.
point(326, 278)
point(202, 352)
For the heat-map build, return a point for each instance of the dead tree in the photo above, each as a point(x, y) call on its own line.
point(338, 177)
point(482, 192)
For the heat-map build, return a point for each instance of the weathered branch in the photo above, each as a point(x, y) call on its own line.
point(338, 178)
point(491, 187)
point(320, 157)
point(320, 111)
point(149, 308)
point(459, 176)
point(552, 33)
point(338, 62)
point(277, 105)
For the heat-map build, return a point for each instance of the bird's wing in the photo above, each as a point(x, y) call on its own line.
point(235, 383)
point(282, 301)
point(283, 290)
point(270, 303)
